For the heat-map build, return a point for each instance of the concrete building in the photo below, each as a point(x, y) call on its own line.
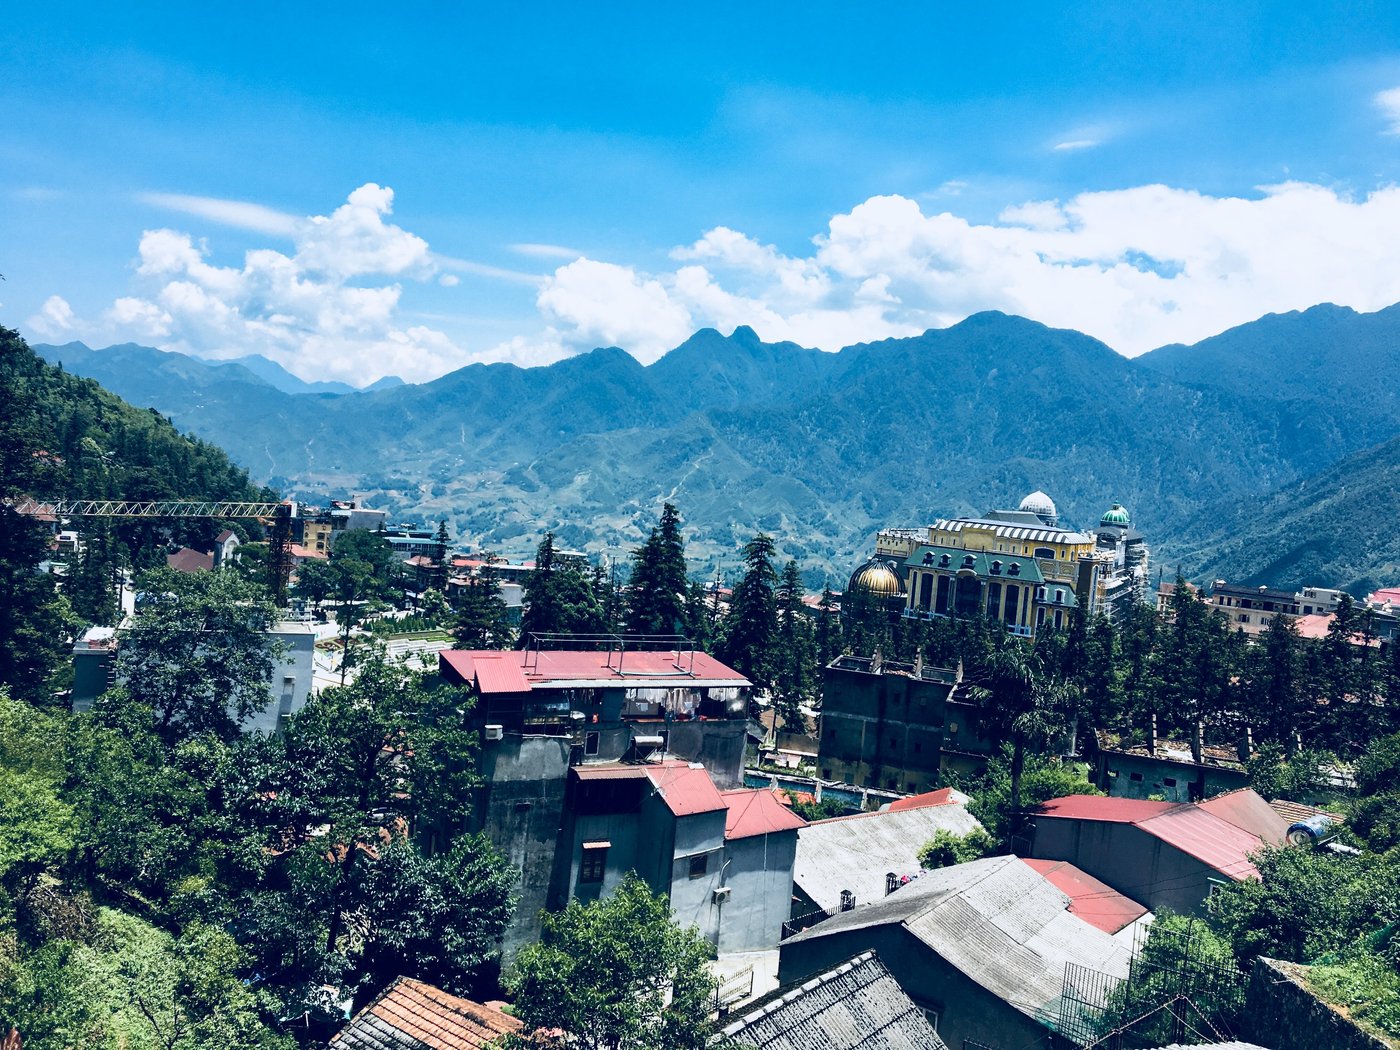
point(897, 726)
point(1172, 855)
point(288, 686)
point(982, 947)
point(570, 741)
point(851, 862)
point(226, 546)
point(857, 1005)
point(1164, 769)
point(1249, 609)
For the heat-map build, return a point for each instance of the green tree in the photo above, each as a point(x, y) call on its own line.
point(316, 581)
point(828, 628)
point(1042, 778)
point(558, 597)
point(751, 628)
point(946, 848)
point(617, 973)
point(795, 680)
point(1026, 706)
point(197, 654)
point(483, 620)
point(658, 584)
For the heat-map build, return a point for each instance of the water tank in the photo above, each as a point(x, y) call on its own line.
point(1311, 831)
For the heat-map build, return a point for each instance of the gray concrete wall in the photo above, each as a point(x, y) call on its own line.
point(692, 899)
point(1134, 863)
point(966, 1010)
point(521, 810)
point(289, 685)
point(758, 873)
point(1115, 772)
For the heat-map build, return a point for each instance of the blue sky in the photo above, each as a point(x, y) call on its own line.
point(356, 191)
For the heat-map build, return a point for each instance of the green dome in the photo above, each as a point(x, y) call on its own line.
point(1116, 515)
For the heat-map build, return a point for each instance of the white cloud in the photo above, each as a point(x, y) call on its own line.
point(603, 303)
point(1136, 268)
point(1388, 102)
point(54, 320)
point(1074, 144)
point(449, 280)
point(240, 214)
point(546, 251)
point(328, 310)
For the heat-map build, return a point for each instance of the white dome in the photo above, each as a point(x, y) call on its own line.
point(1039, 503)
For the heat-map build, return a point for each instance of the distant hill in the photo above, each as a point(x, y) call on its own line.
point(277, 377)
point(1336, 528)
point(820, 449)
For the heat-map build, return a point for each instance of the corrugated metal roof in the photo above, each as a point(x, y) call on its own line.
point(1247, 810)
point(1103, 807)
point(613, 772)
point(685, 789)
point(757, 813)
point(999, 922)
point(499, 674)
point(854, 1006)
point(1097, 903)
point(941, 797)
point(565, 668)
point(1209, 839)
point(856, 853)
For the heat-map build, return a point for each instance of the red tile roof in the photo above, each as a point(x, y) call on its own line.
point(562, 668)
point(1096, 903)
point(941, 797)
point(686, 789)
point(757, 813)
point(187, 560)
point(413, 1015)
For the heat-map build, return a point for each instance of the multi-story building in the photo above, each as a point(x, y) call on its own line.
point(1250, 609)
point(1019, 567)
point(596, 762)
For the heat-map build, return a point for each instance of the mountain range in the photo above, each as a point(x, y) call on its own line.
point(821, 449)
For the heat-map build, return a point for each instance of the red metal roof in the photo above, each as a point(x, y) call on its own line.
point(499, 674)
point(1209, 839)
point(610, 772)
point(1248, 811)
point(1103, 807)
point(757, 813)
point(411, 1013)
point(559, 668)
point(1097, 903)
point(686, 789)
point(941, 797)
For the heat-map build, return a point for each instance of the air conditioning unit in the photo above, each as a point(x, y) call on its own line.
point(495, 732)
point(720, 895)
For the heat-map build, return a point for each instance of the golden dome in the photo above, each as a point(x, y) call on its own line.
point(877, 578)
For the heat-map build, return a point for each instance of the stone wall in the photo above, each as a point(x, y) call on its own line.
point(1284, 1014)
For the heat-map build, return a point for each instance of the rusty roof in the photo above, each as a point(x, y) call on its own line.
point(685, 788)
point(412, 1015)
point(1248, 811)
point(1097, 903)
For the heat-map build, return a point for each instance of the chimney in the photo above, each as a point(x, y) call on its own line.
point(1198, 741)
point(1152, 733)
point(1246, 743)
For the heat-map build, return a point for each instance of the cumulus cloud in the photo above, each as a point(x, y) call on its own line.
point(1136, 268)
point(55, 319)
point(1388, 102)
point(329, 309)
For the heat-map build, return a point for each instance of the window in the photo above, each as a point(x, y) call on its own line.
point(826, 774)
point(918, 748)
point(892, 784)
point(590, 744)
point(699, 865)
point(1169, 782)
point(891, 882)
point(848, 900)
point(594, 862)
point(932, 1014)
point(1135, 777)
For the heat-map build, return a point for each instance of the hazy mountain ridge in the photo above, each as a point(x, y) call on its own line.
point(819, 448)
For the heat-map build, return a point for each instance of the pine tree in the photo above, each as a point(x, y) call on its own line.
point(559, 599)
point(750, 629)
point(657, 588)
point(483, 620)
point(828, 628)
point(795, 656)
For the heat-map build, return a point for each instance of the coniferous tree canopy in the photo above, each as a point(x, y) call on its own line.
point(559, 597)
point(658, 585)
point(751, 628)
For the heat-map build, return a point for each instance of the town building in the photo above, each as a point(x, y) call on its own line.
point(850, 862)
point(897, 726)
point(1020, 567)
point(982, 948)
point(414, 1015)
point(1165, 769)
point(856, 1005)
point(288, 685)
point(1249, 609)
point(1172, 855)
point(226, 546)
point(597, 762)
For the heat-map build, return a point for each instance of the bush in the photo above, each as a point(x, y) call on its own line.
point(946, 848)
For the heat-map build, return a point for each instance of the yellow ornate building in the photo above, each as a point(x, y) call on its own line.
point(1019, 567)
